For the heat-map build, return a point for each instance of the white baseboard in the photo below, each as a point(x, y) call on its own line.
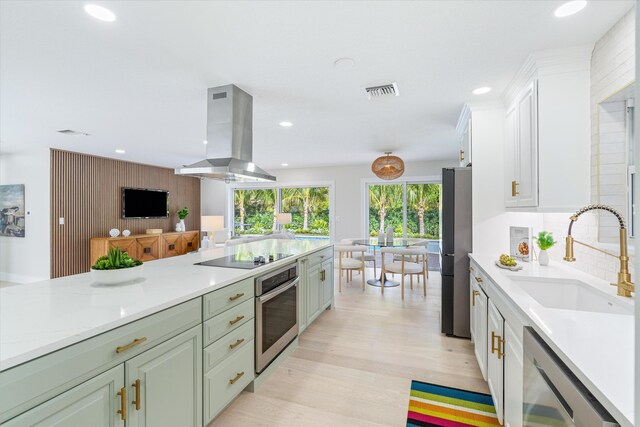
point(19, 278)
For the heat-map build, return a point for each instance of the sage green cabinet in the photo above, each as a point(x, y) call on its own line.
point(93, 403)
point(314, 293)
point(165, 383)
point(326, 275)
point(302, 295)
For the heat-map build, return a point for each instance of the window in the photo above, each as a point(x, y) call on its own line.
point(411, 208)
point(255, 210)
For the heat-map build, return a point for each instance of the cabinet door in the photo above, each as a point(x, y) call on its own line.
point(511, 168)
point(495, 362)
point(171, 245)
point(314, 293)
point(327, 283)
point(513, 378)
point(126, 245)
point(527, 153)
point(93, 403)
point(148, 248)
point(472, 306)
point(190, 241)
point(302, 295)
point(465, 146)
point(480, 314)
point(166, 383)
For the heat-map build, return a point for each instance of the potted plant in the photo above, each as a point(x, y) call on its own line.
point(116, 267)
point(182, 214)
point(545, 242)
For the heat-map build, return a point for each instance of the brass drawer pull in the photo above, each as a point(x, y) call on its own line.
point(478, 279)
point(474, 295)
point(235, 344)
point(470, 269)
point(500, 346)
point(236, 296)
point(132, 344)
point(136, 402)
point(461, 155)
point(236, 320)
point(493, 342)
point(514, 188)
point(123, 403)
point(237, 377)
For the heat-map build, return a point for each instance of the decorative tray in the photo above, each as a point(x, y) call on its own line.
point(514, 268)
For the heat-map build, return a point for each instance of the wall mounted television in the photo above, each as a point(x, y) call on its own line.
point(144, 203)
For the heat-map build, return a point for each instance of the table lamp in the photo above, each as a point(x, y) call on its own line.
point(211, 223)
point(282, 219)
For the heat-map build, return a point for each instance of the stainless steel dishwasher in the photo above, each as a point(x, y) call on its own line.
point(553, 395)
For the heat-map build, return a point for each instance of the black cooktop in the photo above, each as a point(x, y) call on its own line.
point(245, 261)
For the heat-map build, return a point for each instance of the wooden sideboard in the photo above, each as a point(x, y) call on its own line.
point(147, 247)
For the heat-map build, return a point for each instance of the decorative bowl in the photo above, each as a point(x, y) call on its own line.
point(113, 277)
point(114, 232)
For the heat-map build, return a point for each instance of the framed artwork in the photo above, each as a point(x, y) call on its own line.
point(12, 211)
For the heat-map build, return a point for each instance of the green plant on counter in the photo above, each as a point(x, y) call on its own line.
point(182, 213)
point(545, 240)
point(115, 260)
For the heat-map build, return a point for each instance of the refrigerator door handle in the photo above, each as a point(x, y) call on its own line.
point(448, 255)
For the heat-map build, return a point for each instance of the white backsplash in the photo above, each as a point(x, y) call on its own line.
point(587, 260)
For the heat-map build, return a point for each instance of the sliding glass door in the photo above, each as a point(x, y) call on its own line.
point(411, 208)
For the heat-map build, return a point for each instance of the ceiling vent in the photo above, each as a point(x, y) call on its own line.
point(72, 132)
point(390, 89)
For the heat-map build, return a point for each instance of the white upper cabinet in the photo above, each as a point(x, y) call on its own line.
point(547, 132)
point(463, 128)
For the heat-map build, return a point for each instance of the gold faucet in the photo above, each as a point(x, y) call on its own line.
point(625, 285)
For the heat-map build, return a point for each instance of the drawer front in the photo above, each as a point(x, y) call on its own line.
point(229, 344)
point(32, 383)
point(148, 248)
point(228, 321)
point(320, 256)
point(218, 387)
point(227, 297)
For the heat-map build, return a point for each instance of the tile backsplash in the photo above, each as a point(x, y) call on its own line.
point(587, 260)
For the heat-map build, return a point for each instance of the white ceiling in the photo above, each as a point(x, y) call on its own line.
point(140, 83)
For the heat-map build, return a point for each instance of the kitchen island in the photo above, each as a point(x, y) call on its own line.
point(47, 324)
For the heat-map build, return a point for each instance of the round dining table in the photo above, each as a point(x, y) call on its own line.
point(396, 242)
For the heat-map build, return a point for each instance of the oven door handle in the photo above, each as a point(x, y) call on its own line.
point(283, 288)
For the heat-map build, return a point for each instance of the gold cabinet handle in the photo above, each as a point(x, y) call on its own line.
point(132, 344)
point(470, 269)
point(123, 403)
point(236, 320)
point(514, 188)
point(136, 402)
point(475, 294)
point(236, 378)
point(493, 342)
point(478, 279)
point(236, 296)
point(461, 154)
point(500, 346)
point(323, 275)
point(235, 344)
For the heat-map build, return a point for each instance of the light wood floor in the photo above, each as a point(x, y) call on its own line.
point(354, 364)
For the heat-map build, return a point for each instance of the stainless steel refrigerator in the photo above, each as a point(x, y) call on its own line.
point(455, 247)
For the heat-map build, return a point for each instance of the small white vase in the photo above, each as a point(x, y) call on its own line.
point(543, 258)
point(182, 226)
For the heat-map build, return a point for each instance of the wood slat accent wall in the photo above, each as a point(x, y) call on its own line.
point(86, 191)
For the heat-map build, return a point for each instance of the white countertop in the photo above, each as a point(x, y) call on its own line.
point(41, 317)
point(597, 347)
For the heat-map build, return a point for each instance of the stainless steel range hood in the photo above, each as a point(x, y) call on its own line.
point(229, 139)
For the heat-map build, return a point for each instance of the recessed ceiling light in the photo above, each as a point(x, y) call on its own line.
point(99, 12)
point(286, 124)
point(344, 62)
point(570, 8)
point(482, 90)
point(285, 164)
point(120, 151)
point(204, 142)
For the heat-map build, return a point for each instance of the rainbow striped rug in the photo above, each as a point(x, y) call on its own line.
point(434, 405)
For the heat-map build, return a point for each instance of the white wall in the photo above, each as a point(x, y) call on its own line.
point(348, 209)
point(612, 68)
point(27, 259)
point(637, 245)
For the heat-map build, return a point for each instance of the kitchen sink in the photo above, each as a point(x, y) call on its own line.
point(569, 294)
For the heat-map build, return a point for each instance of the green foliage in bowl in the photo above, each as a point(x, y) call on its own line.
point(182, 213)
point(545, 240)
point(115, 260)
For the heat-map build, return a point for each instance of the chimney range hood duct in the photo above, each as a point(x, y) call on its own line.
point(229, 139)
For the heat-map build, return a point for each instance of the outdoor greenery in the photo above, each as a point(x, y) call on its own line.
point(115, 260)
point(423, 209)
point(255, 210)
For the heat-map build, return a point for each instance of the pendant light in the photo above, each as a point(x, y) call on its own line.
point(388, 167)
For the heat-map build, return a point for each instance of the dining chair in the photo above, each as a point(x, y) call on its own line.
point(368, 255)
point(415, 243)
point(348, 263)
point(404, 266)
